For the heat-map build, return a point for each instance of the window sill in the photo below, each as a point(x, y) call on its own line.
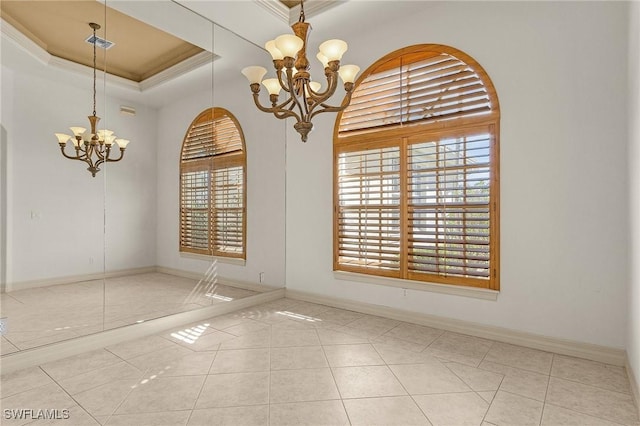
point(212, 259)
point(477, 293)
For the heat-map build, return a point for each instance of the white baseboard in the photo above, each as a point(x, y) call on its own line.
point(635, 386)
point(222, 280)
point(23, 285)
point(551, 344)
point(55, 351)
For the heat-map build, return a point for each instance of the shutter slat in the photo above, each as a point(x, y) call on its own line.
point(438, 88)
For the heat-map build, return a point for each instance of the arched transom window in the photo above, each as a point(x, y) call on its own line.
point(416, 171)
point(213, 186)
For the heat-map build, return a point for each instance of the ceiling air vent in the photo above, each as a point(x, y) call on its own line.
point(99, 42)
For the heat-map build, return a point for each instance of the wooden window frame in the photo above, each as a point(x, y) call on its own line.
point(401, 135)
point(210, 163)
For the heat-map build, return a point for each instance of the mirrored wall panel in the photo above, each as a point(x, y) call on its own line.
point(180, 208)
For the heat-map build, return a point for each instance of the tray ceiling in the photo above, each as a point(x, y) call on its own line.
point(61, 28)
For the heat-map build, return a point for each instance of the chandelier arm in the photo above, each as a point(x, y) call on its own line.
point(89, 155)
point(99, 153)
point(306, 96)
point(77, 157)
point(297, 103)
point(329, 91)
point(278, 109)
point(101, 157)
point(320, 99)
point(332, 85)
point(82, 148)
point(286, 113)
point(286, 87)
point(329, 108)
point(284, 104)
point(113, 160)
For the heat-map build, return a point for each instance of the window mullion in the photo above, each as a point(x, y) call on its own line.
point(211, 209)
point(494, 220)
point(404, 209)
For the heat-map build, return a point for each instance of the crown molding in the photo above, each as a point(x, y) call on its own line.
point(312, 9)
point(290, 16)
point(70, 66)
point(189, 64)
point(33, 49)
point(45, 58)
point(276, 8)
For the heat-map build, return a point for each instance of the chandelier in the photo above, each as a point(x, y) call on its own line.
point(93, 148)
point(305, 99)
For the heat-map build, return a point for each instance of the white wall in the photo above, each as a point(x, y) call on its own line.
point(57, 210)
point(264, 139)
point(6, 81)
point(558, 70)
point(633, 338)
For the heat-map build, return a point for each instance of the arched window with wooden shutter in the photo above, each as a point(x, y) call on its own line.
point(213, 186)
point(416, 163)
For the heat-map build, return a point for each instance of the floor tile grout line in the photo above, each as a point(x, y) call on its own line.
point(544, 406)
point(494, 397)
point(4, 336)
point(27, 390)
point(403, 386)
point(486, 353)
point(477, 392)
point(511, 366)
point(110, 364)
point(141, 373)
point(206, 376)
point(71, 396)
point(592, 386)
point(335, 383)
point(585, 414)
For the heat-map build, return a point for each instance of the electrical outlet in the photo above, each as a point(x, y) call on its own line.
point(260, 277)
point(91, 261)
point(404, 292)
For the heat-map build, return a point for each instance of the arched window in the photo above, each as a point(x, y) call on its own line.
point(416, 162)
point(212, 186)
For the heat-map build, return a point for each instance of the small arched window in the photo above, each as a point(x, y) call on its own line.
point(416, 171)
point(213, 186)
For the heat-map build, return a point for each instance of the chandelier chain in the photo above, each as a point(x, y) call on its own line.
point(94, 71)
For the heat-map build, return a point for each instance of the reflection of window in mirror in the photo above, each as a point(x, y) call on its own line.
point(212, 186)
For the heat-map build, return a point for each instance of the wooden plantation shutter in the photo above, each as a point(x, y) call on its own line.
point(212, 186)
point(369, 218)
point(194, 211)
point(228, 210)
point(423, 87)
point(416, 171)
point(448, 206)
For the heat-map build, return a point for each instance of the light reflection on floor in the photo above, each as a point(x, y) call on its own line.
point(44, 315)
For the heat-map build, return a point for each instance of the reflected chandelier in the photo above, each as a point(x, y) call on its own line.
point(305, 99)
point(93, 148)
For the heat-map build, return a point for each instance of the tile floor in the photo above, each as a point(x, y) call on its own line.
point(295, 363)
point(39, 316)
